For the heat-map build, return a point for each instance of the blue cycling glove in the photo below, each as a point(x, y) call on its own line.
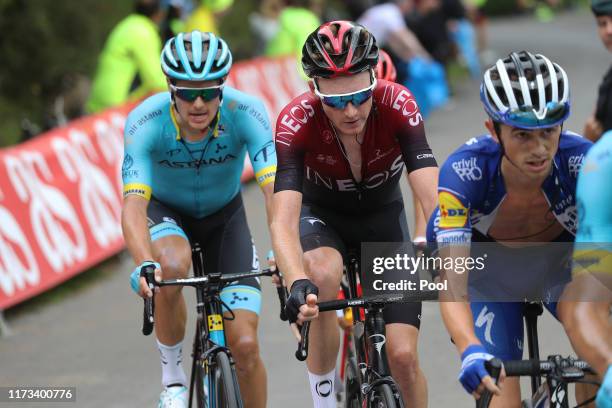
point(604, 396)
point(135, 276)
point(473, 367)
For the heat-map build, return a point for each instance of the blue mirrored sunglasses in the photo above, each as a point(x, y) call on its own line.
point(555, 114)
point(191, 94)
point(339, 101)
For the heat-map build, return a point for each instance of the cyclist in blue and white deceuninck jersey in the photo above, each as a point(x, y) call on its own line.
point(184, 156)
point(514, 186)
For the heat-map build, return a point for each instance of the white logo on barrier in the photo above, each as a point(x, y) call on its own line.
point(486, 318)
point(55, 223)
point(467, 169)
point(18, 265)
point(100, 202)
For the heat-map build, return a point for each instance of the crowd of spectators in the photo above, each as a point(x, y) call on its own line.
point(423, 37)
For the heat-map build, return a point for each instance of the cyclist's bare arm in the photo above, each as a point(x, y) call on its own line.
point(424, 184)
point(285, 235)
point(135, 228)
point(454, 303)
point(268, 192)
point(587, 321)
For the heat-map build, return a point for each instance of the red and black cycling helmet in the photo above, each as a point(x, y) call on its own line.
point(385, 68)
point(339, 48)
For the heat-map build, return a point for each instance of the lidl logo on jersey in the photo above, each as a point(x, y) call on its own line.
point(452, 212)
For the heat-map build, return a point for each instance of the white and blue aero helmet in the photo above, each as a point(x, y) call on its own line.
point(196, 56)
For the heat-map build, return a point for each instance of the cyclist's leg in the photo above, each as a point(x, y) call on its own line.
point(171, 249)
point(499, 327)
point(323, 263)
point(228, 248)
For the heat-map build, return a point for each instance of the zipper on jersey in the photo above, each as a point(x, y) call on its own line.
point(358, 185)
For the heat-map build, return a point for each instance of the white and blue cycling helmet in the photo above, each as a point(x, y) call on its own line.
point(196, 56)
point(526, 91)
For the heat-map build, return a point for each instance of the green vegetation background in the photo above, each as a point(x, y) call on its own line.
point(44, 42)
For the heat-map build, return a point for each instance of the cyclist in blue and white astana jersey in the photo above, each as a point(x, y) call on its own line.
point(184, 156)
point(589, 296)
point(515, 185)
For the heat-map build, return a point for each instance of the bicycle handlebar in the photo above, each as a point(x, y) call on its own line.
point(148, 320)
point(366, 302)
point(149, 303)
point(494, 367)
point(534, 368)
point(520, 368)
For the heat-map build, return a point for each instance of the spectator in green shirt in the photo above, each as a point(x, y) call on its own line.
point(128, 67)
point(295, 22)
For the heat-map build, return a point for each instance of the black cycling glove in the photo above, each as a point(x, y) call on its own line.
point(297, 297)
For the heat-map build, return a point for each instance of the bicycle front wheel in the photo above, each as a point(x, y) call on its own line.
point(382, 397)
point(352, 390)
point(225, 390)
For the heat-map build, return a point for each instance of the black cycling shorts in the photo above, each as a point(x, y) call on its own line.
point(320, 227)
point(226, 244)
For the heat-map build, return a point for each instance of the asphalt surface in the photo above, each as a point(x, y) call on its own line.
point(92, 339)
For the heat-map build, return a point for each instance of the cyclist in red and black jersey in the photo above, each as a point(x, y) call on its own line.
point(341, 150)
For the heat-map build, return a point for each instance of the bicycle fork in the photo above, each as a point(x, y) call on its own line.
point(375, 341)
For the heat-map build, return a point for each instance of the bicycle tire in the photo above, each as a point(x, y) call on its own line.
point(351, 384)
point(226, 383)
point(382, 397)
point(200, 377)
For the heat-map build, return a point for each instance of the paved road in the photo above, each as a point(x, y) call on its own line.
point(92, 339)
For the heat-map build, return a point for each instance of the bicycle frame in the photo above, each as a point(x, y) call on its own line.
point(557, 390)
point(370, 340)
point(209, 338)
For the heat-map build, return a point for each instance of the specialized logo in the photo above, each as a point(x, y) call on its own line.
point(324, 388)
point(313, 220)
point(378, 345)
point(486, 318)
point(575, 163)
point(467, 170)
point(452, 212)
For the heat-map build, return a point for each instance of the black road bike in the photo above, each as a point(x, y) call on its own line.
point(213, 374)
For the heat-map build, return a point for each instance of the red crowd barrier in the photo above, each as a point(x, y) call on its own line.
point(60, 193)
